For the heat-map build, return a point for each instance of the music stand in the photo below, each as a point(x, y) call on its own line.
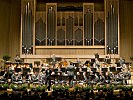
point(36, 62)
point(118, 64)
point(104, 69)
point(76, 64)
point(77, 69)
point(63, 69)
point(108, 61)
point(97, 56)
point(101, 59)
point(58, 58)
point(25, 71)
point(2, 73)
point(91, 63)
point(119, 69)
point(93, 69)
point(17, 70)
point(112, 69)
point(56, 71)
point(35, 69)
point(87, 62)
point(93, 60)
point(43, 69)
point(84, 69)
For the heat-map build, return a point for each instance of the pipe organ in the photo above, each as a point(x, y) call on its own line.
point(64, 28)
point(112, 9)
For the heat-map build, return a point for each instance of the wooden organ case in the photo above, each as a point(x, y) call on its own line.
point(69, 30)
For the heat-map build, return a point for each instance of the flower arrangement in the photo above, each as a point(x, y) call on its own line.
point(6, 57)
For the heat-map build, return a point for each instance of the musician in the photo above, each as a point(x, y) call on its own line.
point(96, 78)
point(13, 77)
point(18, 59)
point(28, 77)
point(11, 71)
point(35, 77)
point(43, 77)
point(70, 72)
point(121, 61)
point(84, 73)
point(48, 78)
point(102, 78)
point(3, 76)
point(19, 78)
point(108, 78)
point(96, 64)
point(16, 77)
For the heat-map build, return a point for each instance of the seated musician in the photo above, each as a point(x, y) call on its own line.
point(96, 78)
point(35, 77)
point(84, 73)
point(13, 77)
point(16, 77)
point(43, 78)
point(19, 77)
point(28, 77)
point(108, 78)
point(96, 64)
point(121, 61)
point(11, 71)
point(3, 76)
point(18, 59)
point(102, 78)
point(124, 68)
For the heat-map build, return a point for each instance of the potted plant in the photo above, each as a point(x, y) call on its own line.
point(5, 86)
point(1, 87)
point(104, 88)
point(131, 58)
point(6, 57)
point(44, 87)
point(14, 87)
point(66, 88)
point(54, 88)
point(87, 88)
point(38, 88)
point(110, 88)
point(127, 88)
point(32, 88)
point(78, 88)
point(23, 87)
point(98, 88)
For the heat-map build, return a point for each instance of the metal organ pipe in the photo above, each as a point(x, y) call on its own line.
point(27, 29)
point(112, 28)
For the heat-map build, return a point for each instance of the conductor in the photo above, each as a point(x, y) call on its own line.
point(70, 72)
point(48, 78)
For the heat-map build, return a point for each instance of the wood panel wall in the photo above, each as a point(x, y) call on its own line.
point(4, 26)
point(9, 27)
point(126, 29)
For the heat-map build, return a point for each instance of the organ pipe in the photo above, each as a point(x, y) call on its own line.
point(27, 29)
point(112, 28)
